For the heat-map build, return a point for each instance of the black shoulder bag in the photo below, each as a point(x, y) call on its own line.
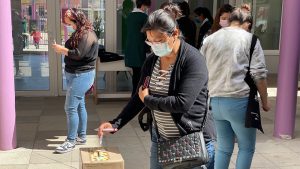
point(185, 152)
point(253, 118)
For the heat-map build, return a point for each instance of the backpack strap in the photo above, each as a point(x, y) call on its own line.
point(253, 43)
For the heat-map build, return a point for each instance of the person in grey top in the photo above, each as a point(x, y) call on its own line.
point(227, 56)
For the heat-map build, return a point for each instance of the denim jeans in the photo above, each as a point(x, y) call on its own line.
point(229, 115)
point(77, 85)
point(154, 164)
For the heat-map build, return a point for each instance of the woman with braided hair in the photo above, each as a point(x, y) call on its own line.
point(80, 52)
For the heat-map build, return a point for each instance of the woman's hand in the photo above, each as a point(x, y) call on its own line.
point(266, 107)
point(143, 93)
point(103, 126)
point(57, 48)
point(60, 49)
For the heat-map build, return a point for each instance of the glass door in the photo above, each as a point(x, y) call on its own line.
point(95, 11)
point(34, 66)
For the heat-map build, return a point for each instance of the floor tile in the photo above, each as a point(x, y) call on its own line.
point(24, 113)
point(49, 123)
point(14, 166)
point(51, 156)
point(42, 126)
point(283, 159)
point(51, 166)
point(15, 157)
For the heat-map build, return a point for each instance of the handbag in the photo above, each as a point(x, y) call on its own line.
point(184, 152)
point(253, 118)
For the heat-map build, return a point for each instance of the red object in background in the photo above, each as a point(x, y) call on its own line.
point(36, 36)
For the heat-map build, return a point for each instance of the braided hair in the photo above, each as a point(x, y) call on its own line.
point(82, 24)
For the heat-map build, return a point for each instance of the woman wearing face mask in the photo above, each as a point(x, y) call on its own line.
point(221, 19)
point(227, 55)
point(186, 25)
point(177, 94)
point(80, 52)
point(206, 21)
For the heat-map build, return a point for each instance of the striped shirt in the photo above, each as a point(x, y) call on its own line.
point(159, 85)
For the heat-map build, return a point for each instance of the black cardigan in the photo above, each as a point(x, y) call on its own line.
point(187, 97)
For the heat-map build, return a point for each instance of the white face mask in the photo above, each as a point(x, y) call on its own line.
point(224, 23)
point(161, 49)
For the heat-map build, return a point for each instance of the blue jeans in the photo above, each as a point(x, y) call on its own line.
point(77, 85)
point(154, 164)
point(229, 115)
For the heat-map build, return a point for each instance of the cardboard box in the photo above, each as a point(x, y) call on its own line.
point(114, 161)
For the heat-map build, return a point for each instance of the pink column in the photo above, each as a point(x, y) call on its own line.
point(7, 86)
point(288, 70)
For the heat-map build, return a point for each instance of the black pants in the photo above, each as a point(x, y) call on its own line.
point(136, 75)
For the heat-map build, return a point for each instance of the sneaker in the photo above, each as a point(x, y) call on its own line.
point(67, 146)
point(80, 141)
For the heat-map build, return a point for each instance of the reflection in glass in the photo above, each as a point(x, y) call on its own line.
point(30, 41)
point(267, 24)
point(95, 12)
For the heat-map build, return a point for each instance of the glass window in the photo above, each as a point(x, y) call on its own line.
point(30, 41)
point(95, 12)
point(267, 23)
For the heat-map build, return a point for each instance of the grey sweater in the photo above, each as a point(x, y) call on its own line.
point(227, 56)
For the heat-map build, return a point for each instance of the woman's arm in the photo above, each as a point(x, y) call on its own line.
point(135, 105)
point(262, 90)
point(86, 43)
point(194, 77)
point(259, 74)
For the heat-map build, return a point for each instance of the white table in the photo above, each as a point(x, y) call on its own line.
point(114, 67)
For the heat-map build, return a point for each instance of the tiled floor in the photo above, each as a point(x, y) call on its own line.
point(41, 126)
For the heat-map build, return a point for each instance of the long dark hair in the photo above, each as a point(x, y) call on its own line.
point(82, 24)
point(226, 8)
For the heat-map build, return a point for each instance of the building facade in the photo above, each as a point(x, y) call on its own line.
point(38, 71)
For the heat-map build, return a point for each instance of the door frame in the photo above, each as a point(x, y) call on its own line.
point(52, 56)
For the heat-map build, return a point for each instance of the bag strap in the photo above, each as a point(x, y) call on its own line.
point(252, 47)
point(203, 122)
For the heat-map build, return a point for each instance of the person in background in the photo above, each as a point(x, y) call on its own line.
point(80, 51)
point(127, 7)
point(203, 14)
point(37, 36)
point(136, 49)
point(25, 33)
point(221, 18)
point(227, 57)
point(186, 25)
point(177, 94)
